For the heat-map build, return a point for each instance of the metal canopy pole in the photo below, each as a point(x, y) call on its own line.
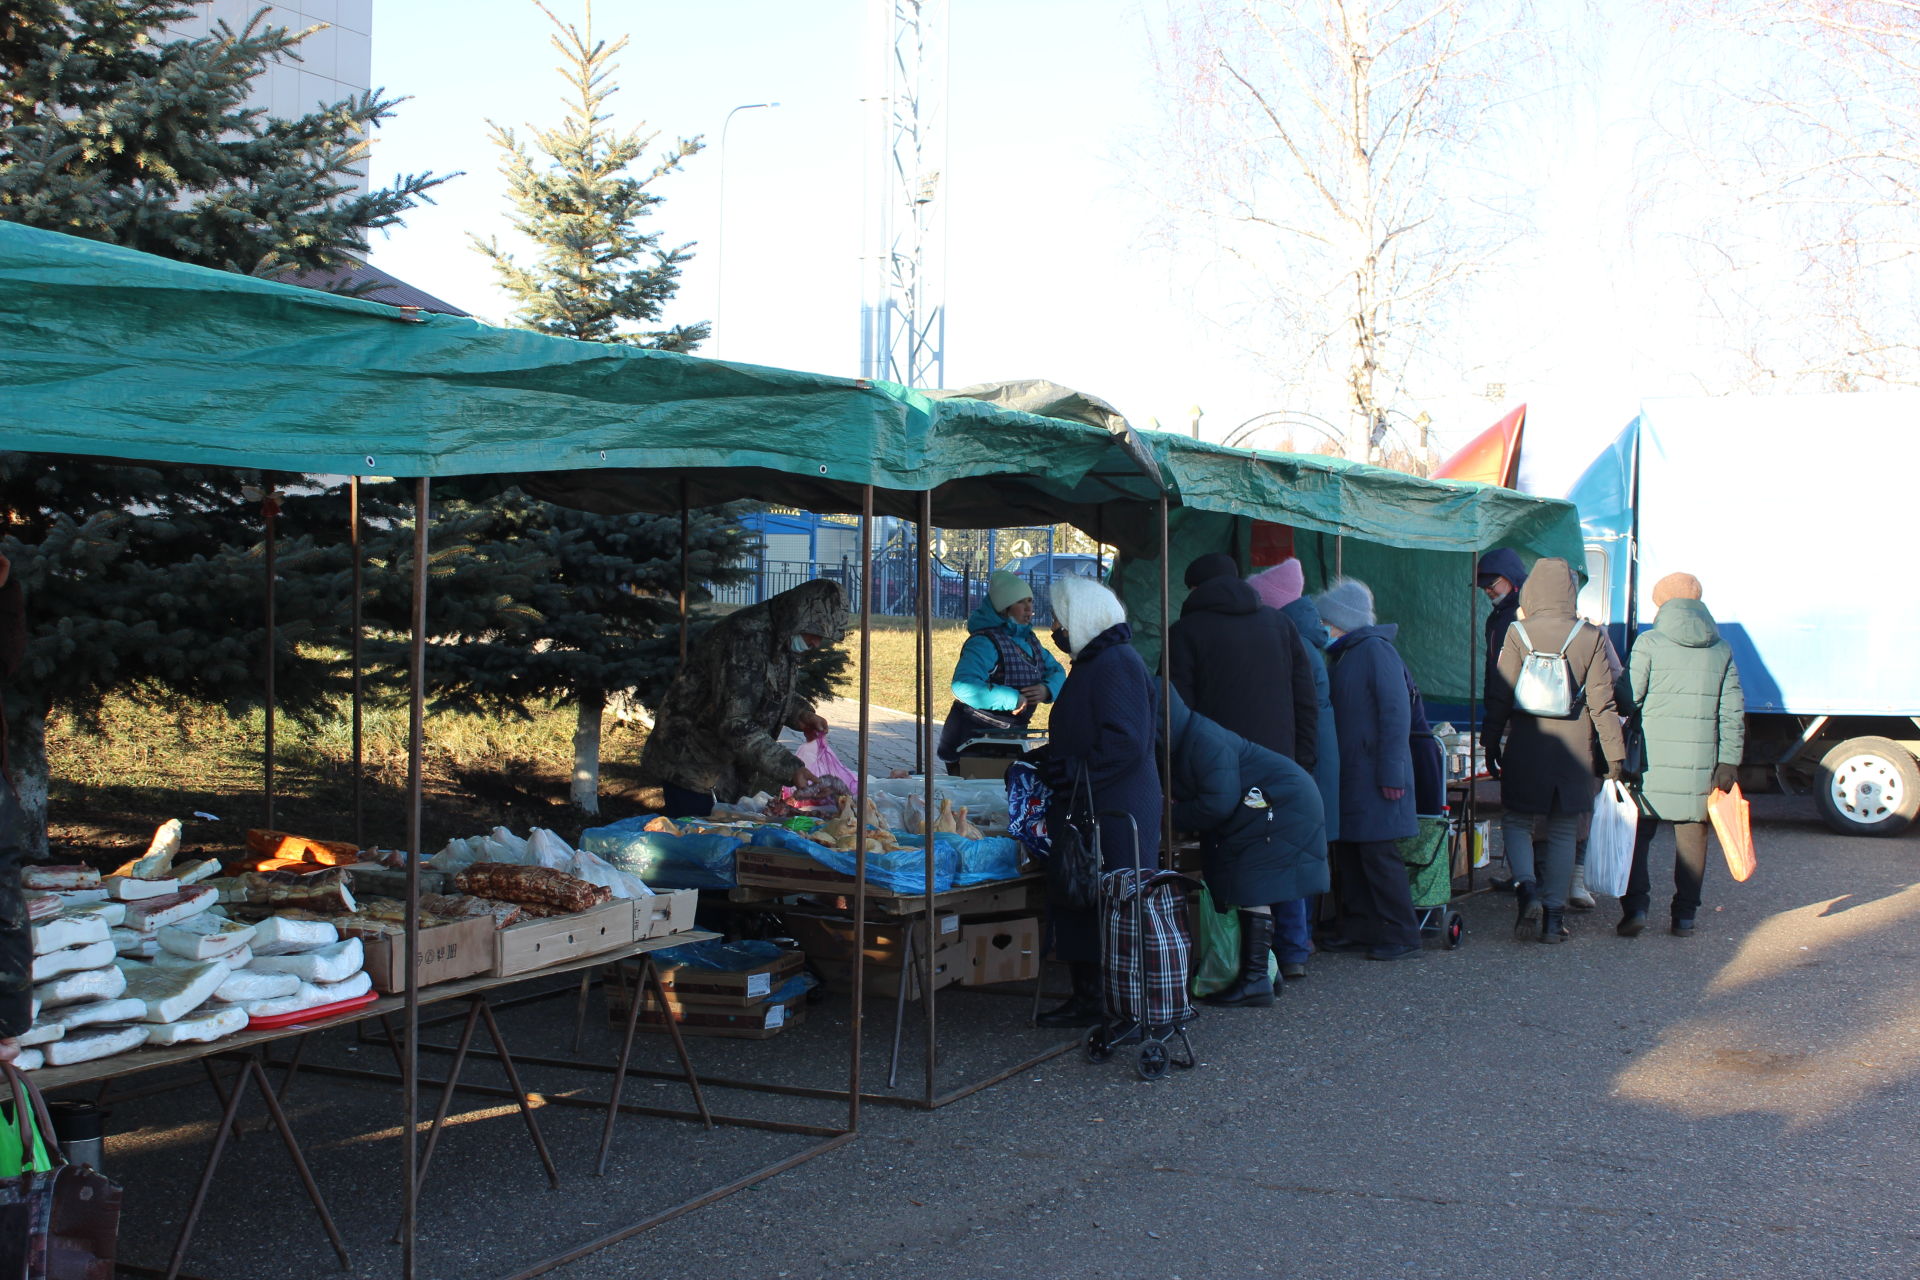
point(860, 798)
point(416, 742)
point(1473, 720)
point(359, 745)
point(270, 506)
point(923, 751)
point(1166, 702)
point(684, 525)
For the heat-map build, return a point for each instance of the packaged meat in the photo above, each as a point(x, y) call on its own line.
point(279, 845)
point(128, 889)
point(92, 1044)
point(88, 984)
point(64, 876)
point(92, 955)
point(112, 912)
point(171, 994)
point(594, 869)
point(204, 936)
point(312, 995)
point(321, 891)
point(42, 1031)
point(281, 935)
point(195, 872)
point(465, 904)
point(136, 943)
point(174, 907)
point(63, 931)
point(157, 862)
point(212, 1023)
point(326, 964)
point(546, 849)
point(541, 885)
point(71, 1017)
point(247, 986)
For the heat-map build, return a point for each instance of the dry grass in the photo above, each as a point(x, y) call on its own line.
point(153, 761)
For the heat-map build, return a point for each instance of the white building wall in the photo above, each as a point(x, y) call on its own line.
point(335, 62)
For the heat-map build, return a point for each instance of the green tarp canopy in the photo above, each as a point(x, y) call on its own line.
point(112, 353)
point(1412, 540)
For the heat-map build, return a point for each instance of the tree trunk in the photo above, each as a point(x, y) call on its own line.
point(27, 761)
point(585, 793)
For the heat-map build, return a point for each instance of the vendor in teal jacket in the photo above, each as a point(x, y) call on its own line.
point(1004, 672)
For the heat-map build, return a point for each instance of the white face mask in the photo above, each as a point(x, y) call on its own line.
point(799, 644)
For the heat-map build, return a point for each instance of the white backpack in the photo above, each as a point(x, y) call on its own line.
point(1546, 687)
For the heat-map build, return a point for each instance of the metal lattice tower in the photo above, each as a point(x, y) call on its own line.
point(903, 323)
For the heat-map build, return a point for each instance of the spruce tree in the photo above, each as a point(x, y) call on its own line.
point(147, 576)
point(609, 613)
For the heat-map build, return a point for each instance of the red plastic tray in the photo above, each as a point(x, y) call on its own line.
point(318, 1013)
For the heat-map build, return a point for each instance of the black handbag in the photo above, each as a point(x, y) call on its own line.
point(1074, 866)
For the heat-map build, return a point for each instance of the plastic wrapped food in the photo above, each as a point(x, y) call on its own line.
point(151, 913)
point(59, 932)
point(66, 876)
point(88, 984)
point(91, 955)
point(281, 935)
point(541, 885)
point(325, 892)
point(549, 850)
point(204, 936)
point(279, 846)
point(311, 996)
point(325, 964)
point(92, 1044)
point(212, 1023)
point(594, 869)
point(458, 905)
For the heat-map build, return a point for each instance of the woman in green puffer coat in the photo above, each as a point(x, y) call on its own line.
point(1693, 715)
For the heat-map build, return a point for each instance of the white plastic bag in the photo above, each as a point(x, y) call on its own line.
point(1616, 820)
point(546, 849)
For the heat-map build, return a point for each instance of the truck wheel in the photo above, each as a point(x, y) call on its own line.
point(1868, 787)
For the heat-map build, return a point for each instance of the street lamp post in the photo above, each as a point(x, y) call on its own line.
point(720, 236)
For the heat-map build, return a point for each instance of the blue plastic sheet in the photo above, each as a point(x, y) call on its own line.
point(719, 956)
point(956, 862)
point(665, 861)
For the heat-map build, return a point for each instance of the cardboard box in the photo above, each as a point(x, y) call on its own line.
point(734, 987)
point(539, 943)
point(761, 1020)
point(882, 981)
point(1001, 951)
point(663, 913)
point(831, 941)
point(1008, 898)
point(447, 951)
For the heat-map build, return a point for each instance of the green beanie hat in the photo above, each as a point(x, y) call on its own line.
point(1006, 589)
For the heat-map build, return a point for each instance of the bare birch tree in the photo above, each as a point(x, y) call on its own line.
point(1334, 149)
point(1809, 132)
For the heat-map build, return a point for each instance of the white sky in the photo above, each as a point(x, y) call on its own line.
point(1051, 272)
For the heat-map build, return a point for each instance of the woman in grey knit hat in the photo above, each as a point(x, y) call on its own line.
point(1373, 716)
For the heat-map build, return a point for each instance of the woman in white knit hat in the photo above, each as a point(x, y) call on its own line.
point(1004, 672)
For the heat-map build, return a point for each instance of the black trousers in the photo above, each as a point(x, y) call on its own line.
point(1376, 904)
point(678, 802)
point(1689, 868)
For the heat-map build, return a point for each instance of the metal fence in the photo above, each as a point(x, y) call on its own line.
point(956, 592)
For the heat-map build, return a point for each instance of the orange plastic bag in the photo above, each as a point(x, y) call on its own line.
point(1732, 823)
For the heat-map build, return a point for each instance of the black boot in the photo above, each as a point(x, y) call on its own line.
point(1552, 928)
point(1253, 989)
point(1083, 1007)
point(1526, 923)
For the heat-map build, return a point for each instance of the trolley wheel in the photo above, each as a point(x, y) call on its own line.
point(1097, 1048)
point(1456, 929)
point(1153, 1060)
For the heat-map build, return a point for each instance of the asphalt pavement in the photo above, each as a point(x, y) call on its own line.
point(1735, 1104)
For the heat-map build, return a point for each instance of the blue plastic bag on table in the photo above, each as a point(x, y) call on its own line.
point(663, 860)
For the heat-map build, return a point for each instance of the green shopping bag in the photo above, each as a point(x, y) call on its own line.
point(1217, 942)
point(10, 1164)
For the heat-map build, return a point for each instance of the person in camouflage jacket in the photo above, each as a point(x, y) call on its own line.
point(716, 732)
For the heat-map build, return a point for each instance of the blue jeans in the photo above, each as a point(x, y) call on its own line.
point(1292, 931)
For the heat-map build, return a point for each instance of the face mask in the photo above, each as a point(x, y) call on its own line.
point(1060, 641)
point(799, 644)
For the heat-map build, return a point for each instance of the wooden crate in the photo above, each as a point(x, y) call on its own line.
point(536, 944)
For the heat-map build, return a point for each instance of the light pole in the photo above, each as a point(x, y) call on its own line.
point(720, 236)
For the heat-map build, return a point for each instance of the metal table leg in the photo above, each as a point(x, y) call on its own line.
point(647, 979)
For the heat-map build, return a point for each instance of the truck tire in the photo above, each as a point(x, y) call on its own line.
point(1868, 787)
